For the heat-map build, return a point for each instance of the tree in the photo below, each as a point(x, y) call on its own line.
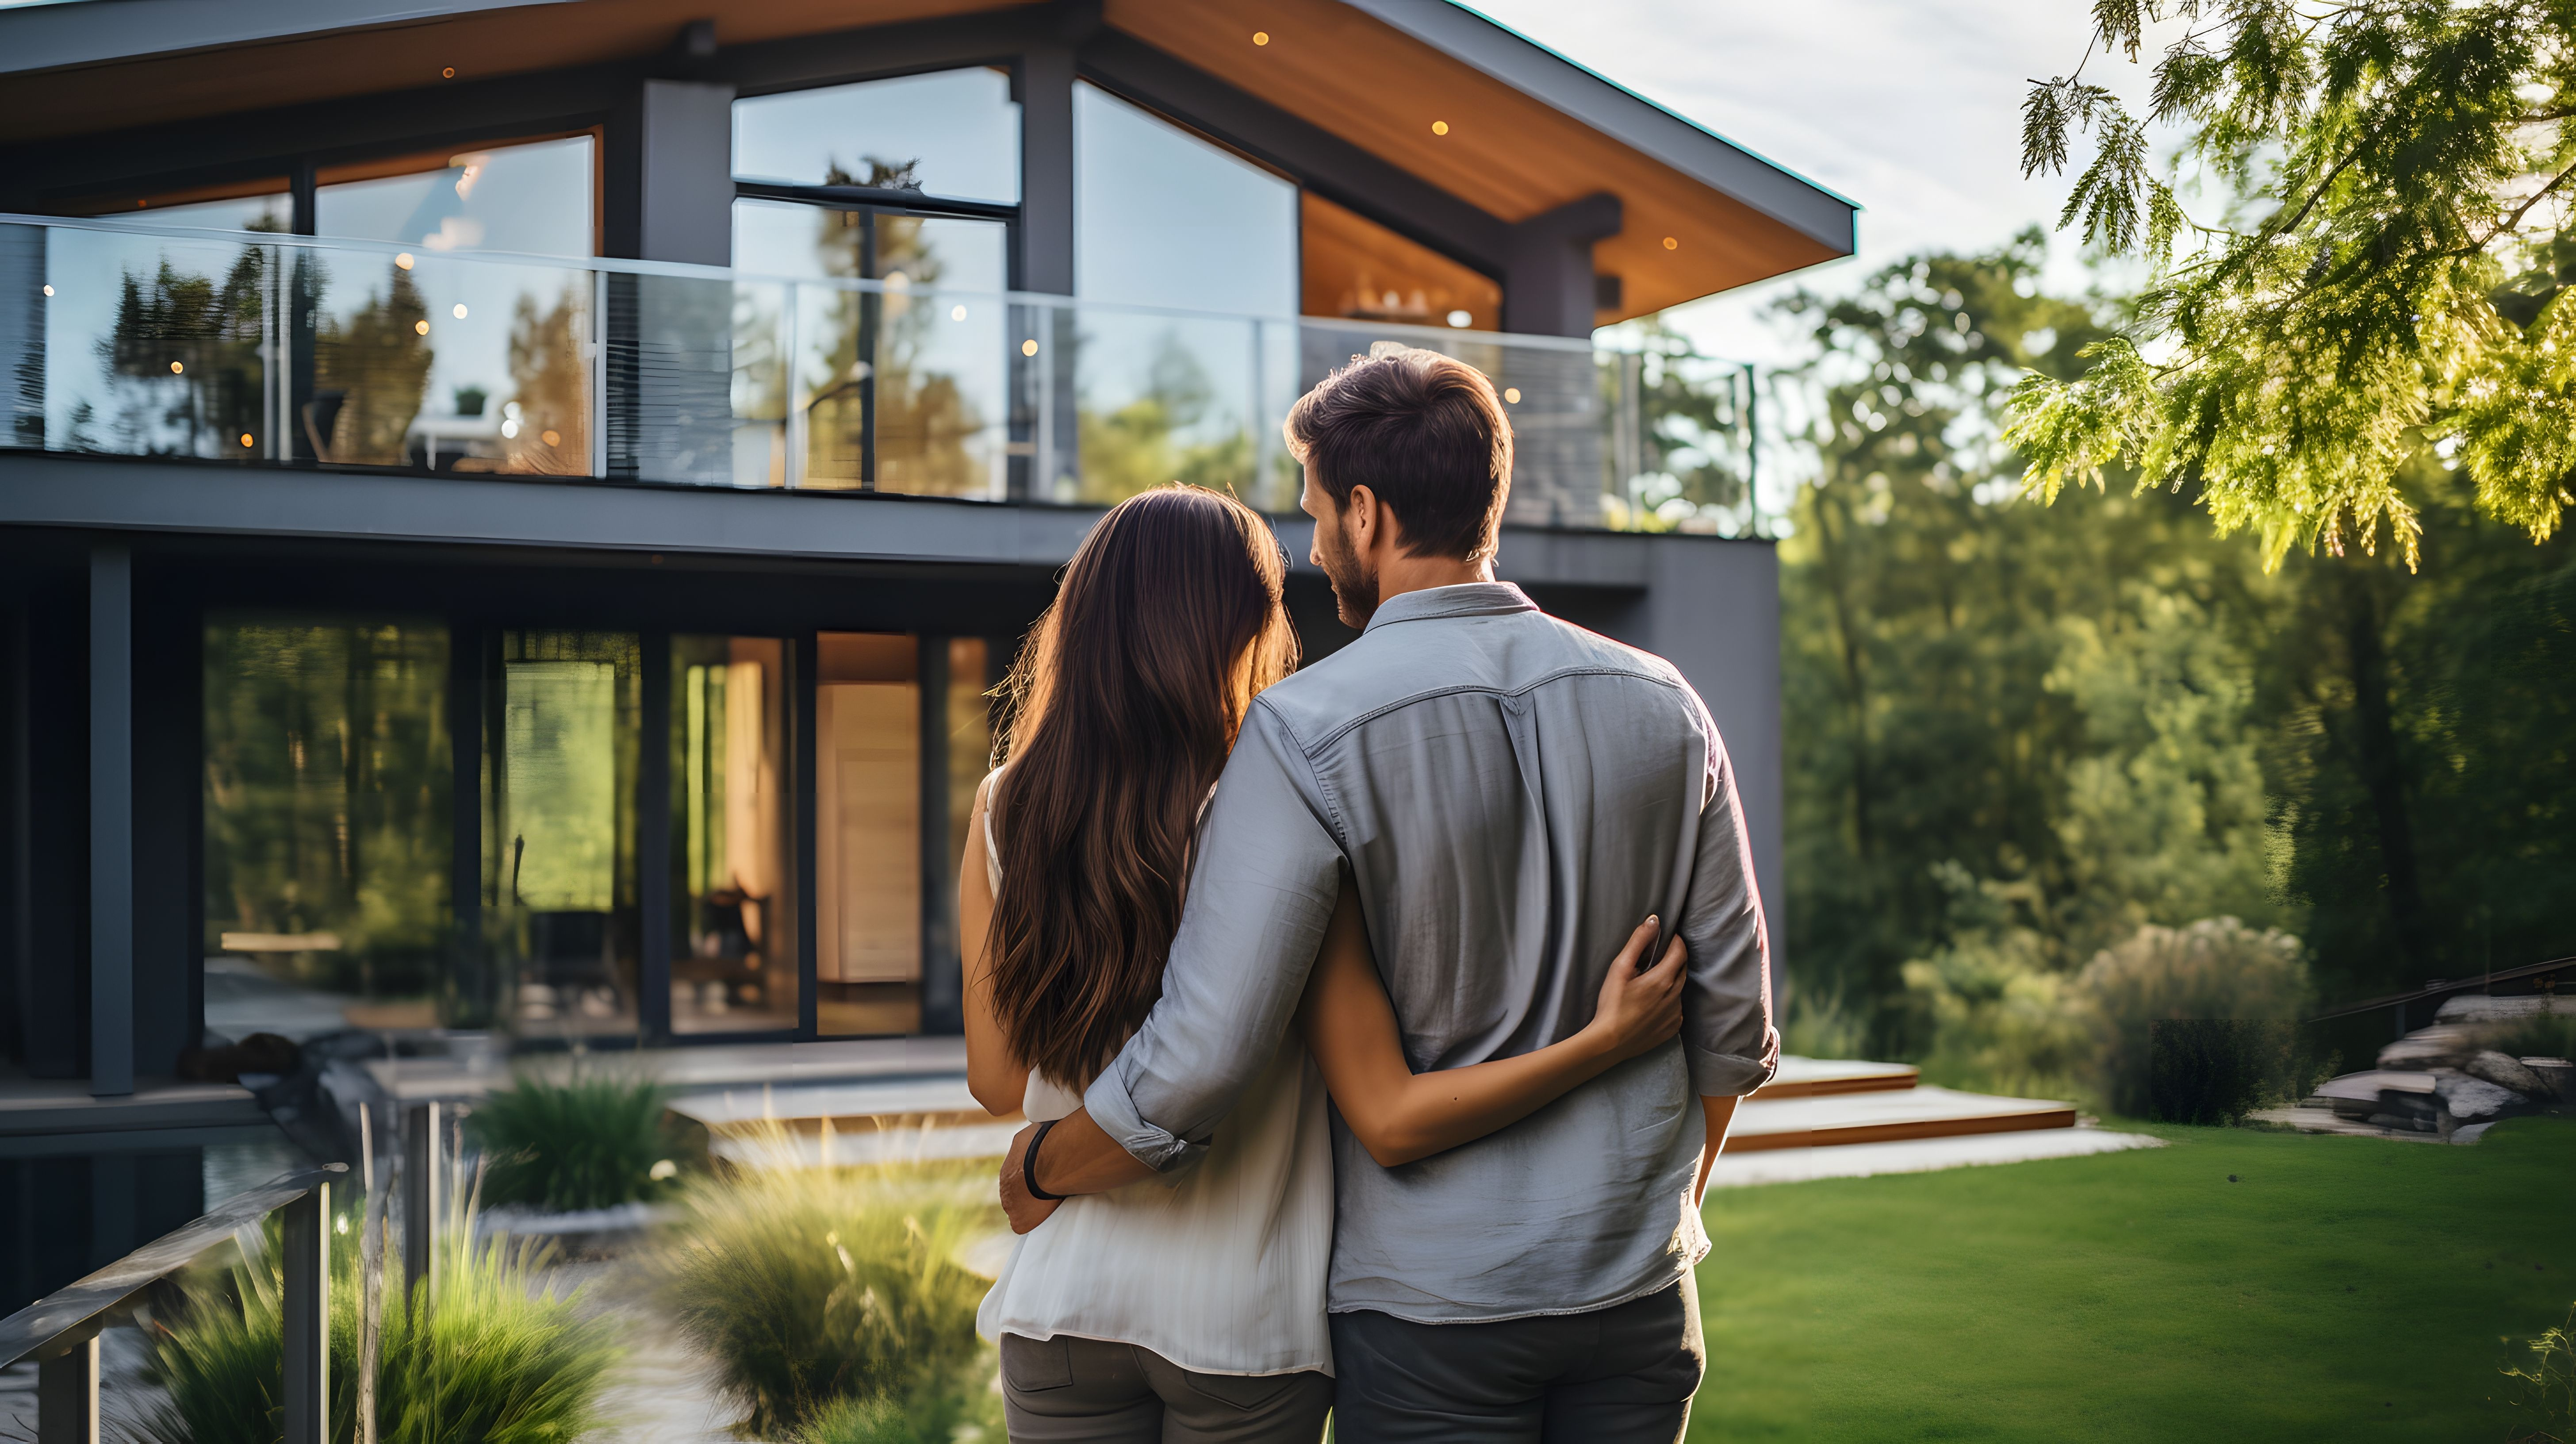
point(2389, 274)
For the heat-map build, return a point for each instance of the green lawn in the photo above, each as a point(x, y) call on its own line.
point(2341, 1289)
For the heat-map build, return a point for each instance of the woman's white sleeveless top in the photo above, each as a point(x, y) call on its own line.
point(1221, 1271)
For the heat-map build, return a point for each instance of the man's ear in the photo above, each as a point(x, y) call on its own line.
point(1363, 518)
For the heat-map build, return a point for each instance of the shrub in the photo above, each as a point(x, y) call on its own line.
point(811, 1287)
point(2217, 1070)
point(492, 1358)
point(933, 1417)
point(590, 1142)
point(2544, 1035)
point(1997, 1015)
point(2217, 969)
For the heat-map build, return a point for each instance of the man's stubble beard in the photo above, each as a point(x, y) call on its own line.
point(1354, 585)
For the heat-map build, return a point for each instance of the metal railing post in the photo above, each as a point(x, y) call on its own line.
point(307, 1322)
point(420, 1176)
point(67, 1395)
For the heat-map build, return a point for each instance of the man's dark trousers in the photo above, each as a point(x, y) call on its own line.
point(1621, 1375)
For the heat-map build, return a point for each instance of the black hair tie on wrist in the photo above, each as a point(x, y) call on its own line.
point(1029, 1165)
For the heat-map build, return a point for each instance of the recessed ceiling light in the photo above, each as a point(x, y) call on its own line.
point(1260, 37)
point(1461, 320)
point(403, 260)
point(421, 326)
point(1671, 244)
point(1439, 127)
point(1512, 394)
point(460, 310)
point(49, 290)
point(449, 73)
point(1029, 348)
point(245, 438)
point(176, 368)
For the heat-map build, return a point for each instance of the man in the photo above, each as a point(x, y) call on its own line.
point(1509, 794)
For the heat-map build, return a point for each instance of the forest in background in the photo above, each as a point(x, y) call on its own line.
point(2018, 734)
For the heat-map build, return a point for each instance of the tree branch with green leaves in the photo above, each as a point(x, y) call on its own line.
point(2392, 273)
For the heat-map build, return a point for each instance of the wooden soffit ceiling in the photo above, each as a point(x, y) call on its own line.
point(1503, 150)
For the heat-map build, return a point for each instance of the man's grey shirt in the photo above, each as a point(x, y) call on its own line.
point(1511, 796)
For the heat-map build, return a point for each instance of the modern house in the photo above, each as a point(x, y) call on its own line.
point(509, 509)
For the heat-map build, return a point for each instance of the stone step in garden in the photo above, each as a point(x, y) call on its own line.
point(1886, 1116)
point(1816, 1077)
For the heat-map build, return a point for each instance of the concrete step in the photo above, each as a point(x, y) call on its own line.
point(1818, 1077)
point(1886, 1116)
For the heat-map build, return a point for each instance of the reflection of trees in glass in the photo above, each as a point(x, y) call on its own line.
point(549, 434)
point(1691, 459)
point(186, 348)
point(923, 417)
point(378, 359)
point(1146, 442)
point(326, 777)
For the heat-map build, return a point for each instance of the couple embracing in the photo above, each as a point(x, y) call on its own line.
point(1380, 1023)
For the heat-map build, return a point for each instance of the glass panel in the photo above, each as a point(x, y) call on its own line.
point(1356, 268)
point(868, 833)
point(1164, 398)
point(950, 133)
point(559, 855)
point(900, 389)
point(1163, 218)
point(327, 776)
point(733, 965)
point(531, 199)
point(138, 344)
point(970, 729)
point(273, 212)
point(450, 365)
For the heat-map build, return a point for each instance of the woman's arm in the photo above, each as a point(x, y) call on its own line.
point(994, 1074)
point(1399, 1115)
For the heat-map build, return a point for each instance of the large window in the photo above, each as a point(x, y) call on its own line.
point(1163, 218)
point(533, 199)
point(327, 777)
point(951, 133)
point(733, 932)
point(559, 836)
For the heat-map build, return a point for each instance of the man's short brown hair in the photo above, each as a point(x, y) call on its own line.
point(1422, 431)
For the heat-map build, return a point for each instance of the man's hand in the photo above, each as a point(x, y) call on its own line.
point(1024, 1211)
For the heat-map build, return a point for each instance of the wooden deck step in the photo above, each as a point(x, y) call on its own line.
point(1818, 1077)
point(1886, 1116)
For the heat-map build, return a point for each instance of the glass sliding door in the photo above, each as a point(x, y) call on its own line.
point(867, 833)
point(326, 780)
point(559, 845)
point(733, 924)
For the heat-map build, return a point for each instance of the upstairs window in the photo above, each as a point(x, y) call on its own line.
point(1163, 218)
point(535, 199)
point(953, 134)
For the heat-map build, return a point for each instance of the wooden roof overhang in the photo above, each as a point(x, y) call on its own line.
point(1491, 127)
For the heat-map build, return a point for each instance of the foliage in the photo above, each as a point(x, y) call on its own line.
point(2340, 1289)
point(810, 1286)
point(2024, 739)
point(2548, 1035)
point(190, 343)
point(591, 1141)
point(2217, 968)
point(552, 387)
point(2546, 1387)
point(488, 1355)
point(972, 1403)
point(1693, 466)
point(2390, 275)
point(1163, 433)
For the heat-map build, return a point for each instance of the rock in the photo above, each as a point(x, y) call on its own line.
point(2558, 1075)
point(2504, 1072)
point(2356, 1095)
point(2475, 1100)
point(2429, 1048)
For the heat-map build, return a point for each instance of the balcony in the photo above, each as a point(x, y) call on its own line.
point(271, 350)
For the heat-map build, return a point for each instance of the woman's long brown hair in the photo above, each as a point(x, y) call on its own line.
point(1124, 704)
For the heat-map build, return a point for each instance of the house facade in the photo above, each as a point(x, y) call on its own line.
point(510, 512)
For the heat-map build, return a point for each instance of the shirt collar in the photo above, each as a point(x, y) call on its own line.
point(1466, 599)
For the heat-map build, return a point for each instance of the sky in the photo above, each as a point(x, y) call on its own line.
point(1909, 107)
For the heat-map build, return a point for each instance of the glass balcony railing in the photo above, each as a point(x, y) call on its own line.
point(269, 349)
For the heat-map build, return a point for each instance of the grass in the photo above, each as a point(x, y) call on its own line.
point(593, 1141)
point(497, 1359)
point(816, 1287)
point(2345, 1289)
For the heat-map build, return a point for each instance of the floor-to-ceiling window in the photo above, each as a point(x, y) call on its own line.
point(912, 182)
point(1164, 219)
point(327, 771)
point(559, 838)
point(734, 951)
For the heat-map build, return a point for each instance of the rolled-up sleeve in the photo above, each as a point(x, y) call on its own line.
point(1262, 883)
point(1727, 1029)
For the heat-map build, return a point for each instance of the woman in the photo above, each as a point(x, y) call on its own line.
point(1193, 1310)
